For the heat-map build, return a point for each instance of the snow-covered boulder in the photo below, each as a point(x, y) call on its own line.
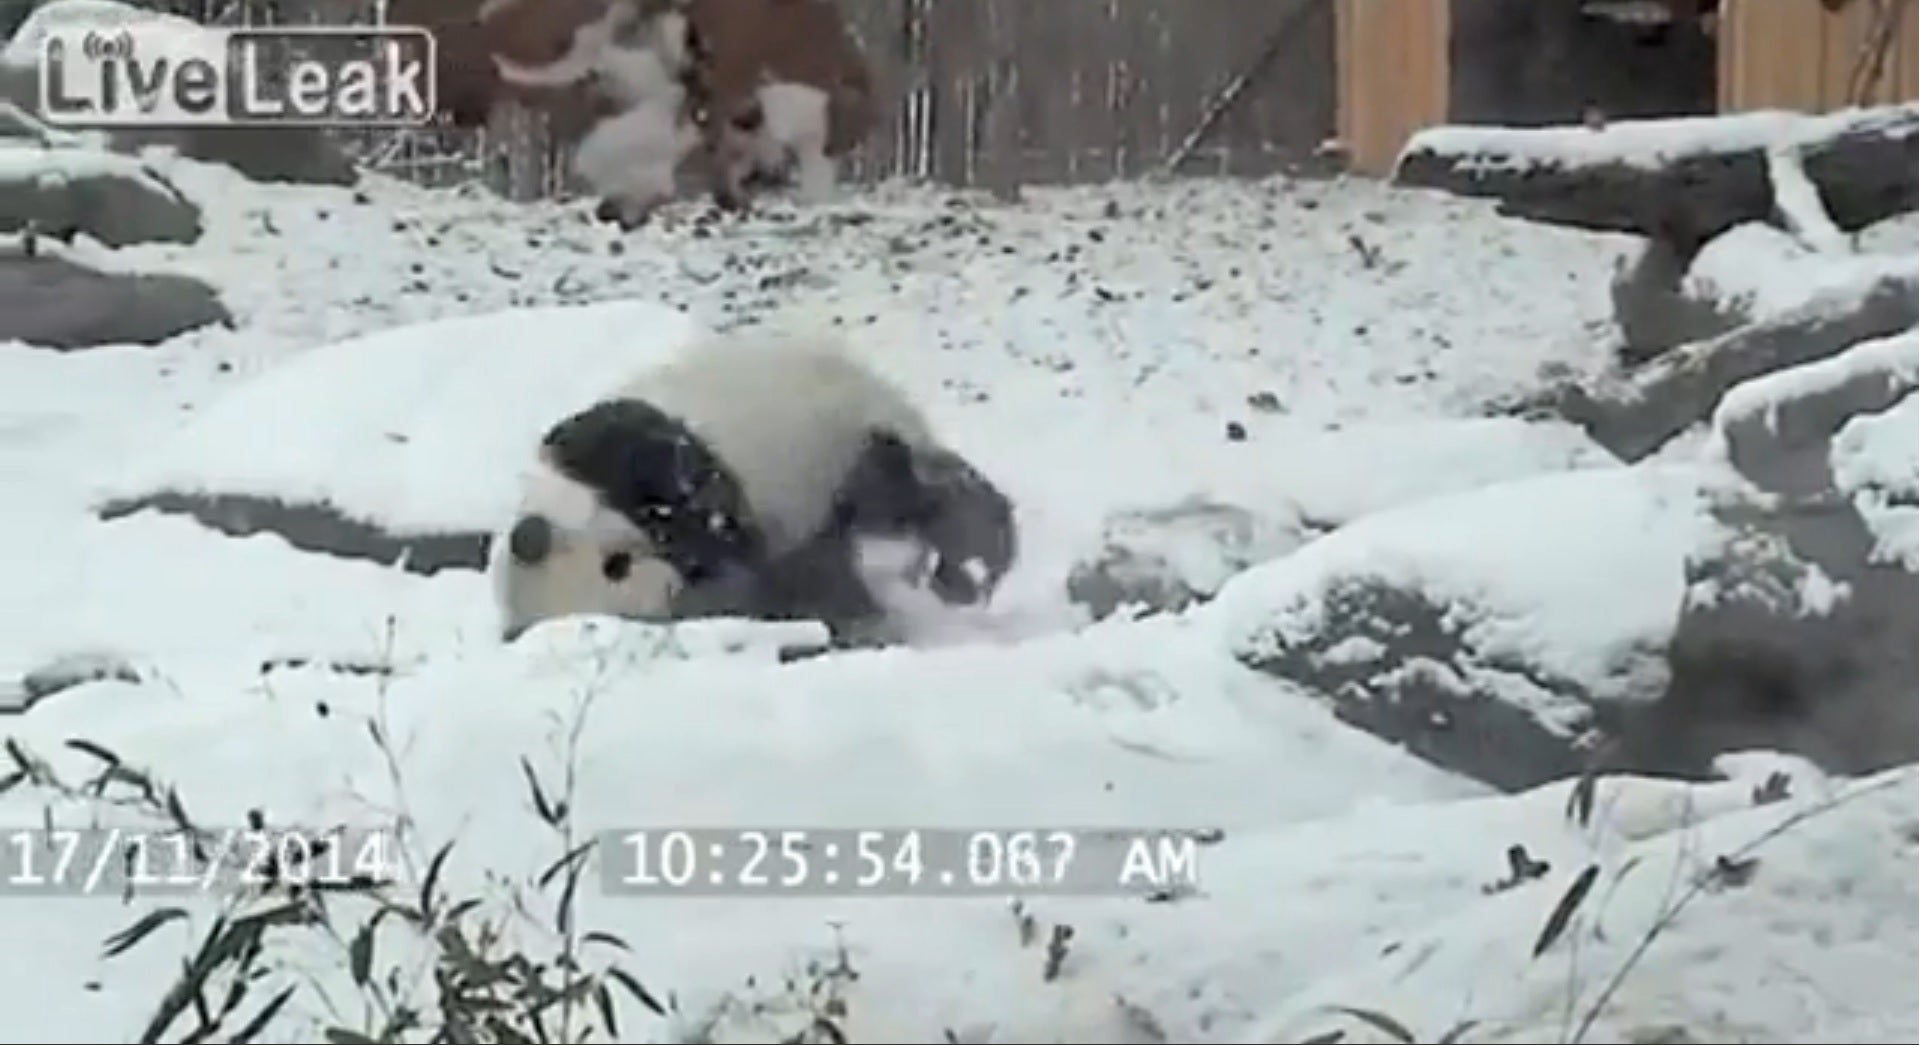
point(404, 445)
point(62, 188)
point(1758, 271)
point(1492, 631)
point(52, 302)
point(1651, 404)
point(1876, 466)
point(1645, 618)
point(1654, 311)
point(1801, 625)
point(1166, 559)
point(1777, 429)
point(1789, 638)
point(1749, 273)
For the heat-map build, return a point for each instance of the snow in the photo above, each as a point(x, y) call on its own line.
point(1657, 877)
point(1799, 203)
point(1876, 463)
point(1764, 272)
point(1088, 349)
point(421, 429)
point(1583, 589)
point(26, 160)
point(1651, 143)
point(1896, 360)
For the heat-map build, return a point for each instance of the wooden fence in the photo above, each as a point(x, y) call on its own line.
point(1800, 55)
point(1050, 91)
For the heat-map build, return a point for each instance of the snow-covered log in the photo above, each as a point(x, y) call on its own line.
point(1682, 387)
point(1778, 429)
point(1683, 179)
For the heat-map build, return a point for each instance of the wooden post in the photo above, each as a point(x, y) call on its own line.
point(1394, 75)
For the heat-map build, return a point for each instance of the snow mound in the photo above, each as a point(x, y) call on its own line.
point(1761, 271)
point(1815, 396)
point(1486, 627)
point(1718, 875)
point(1592, 574)
point(418, 431)
point(1876, 464)
point(638, 729)
point(643, 727)
point(61, 161)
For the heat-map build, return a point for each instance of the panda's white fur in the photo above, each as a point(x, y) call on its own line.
point(788, 414)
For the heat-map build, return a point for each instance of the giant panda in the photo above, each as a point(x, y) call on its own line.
point(738, 478)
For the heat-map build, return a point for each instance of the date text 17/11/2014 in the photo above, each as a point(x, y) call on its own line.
point(900, 861)
point(122, 861)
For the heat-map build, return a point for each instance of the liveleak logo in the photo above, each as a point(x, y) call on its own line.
point(170, 73)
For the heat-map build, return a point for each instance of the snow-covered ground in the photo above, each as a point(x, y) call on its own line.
point(1089, 349)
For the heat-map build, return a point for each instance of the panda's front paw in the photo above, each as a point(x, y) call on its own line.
point(627, 214)
point(962, 582)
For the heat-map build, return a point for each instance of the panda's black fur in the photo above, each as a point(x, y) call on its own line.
point(650, 467)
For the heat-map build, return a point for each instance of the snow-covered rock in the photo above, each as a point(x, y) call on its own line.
point(1491, 645)
point(404, 445)
point(1790, 637)
point(1776, 428)
point(61, 189)
point(50, 302)
point(1164, 560)
point(1514, 653)
point(1875, 466)
point(1649, 405)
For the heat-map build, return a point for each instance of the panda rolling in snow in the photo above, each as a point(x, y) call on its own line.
point(739, 479)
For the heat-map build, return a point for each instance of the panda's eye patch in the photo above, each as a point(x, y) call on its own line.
point(615, 567)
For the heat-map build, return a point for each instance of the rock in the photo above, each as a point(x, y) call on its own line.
point(1789, 639)
point(1875, 464)
point(61, 189)
point(1798, 632)
point(1393, 663)
point(64, 673)
point(402, 445)
point(1682, 387)
point(1501, 650)
point(55, 303)
point(1168, 559)
point(1778, 430)
point(1646, 619)
point(313, 527)
point(1653, 311)
point(294, 155)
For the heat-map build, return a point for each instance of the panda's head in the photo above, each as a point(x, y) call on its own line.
point(624, 512)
